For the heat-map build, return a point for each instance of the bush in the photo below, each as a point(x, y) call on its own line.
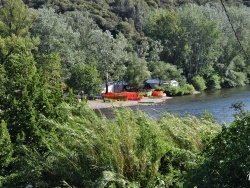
point(234, 79)
point(226, 158)
point(188, 89)
point(188, 135)
point(199, 83)
point(146, 93)
point(213, 82)
point(159, 88)
point(185, 89)
point(172, 90)
point(208, 116)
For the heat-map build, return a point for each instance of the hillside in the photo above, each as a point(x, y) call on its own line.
point(110, 14)
point(181, 40)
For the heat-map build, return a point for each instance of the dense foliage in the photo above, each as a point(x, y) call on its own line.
point(185, 89)
point(84, 150)
point(225, 160)
point(117, 37)
point(49, 140)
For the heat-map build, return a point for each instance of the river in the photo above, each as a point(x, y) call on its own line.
point(218, 102)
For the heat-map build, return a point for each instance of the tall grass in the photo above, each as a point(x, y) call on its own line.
point(132, 150)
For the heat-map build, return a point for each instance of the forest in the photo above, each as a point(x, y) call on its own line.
point(49, 47)
point(203, 43)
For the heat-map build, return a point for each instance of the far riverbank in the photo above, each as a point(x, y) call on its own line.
point(218, 102)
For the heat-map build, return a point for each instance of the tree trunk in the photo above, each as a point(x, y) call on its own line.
point(107, 86)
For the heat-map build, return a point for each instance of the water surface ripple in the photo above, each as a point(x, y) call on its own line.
point(218, 102)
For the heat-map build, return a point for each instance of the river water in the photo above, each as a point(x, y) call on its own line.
point(218, 102)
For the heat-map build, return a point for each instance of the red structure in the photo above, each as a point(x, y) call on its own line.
point(157, 93)
point(123, 96)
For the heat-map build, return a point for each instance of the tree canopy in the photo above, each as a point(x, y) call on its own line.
point(196, 36)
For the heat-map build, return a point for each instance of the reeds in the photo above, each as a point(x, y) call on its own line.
point(131, 150)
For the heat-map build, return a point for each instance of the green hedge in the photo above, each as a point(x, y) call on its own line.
point(185, 89)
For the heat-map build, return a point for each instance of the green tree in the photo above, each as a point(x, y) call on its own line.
point(165, 71)
point(22, 102)
point(165, 25)
point(213, 82)
point(19, 66)
point(232, 64)
point(149, 49)
point(82, 23)
point(133, 10)
point(2, 80)
point(137, 71)
point(111, 55)
point(21, 97)
point(158, 70)
point(6, 150)
point(50, 64)
point(56, 36)
point(126, 28)
point(234, 73)
point(15, 18)
point(202, 36)
point(85, 78)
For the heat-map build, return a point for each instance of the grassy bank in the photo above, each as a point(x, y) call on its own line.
point(132, 150)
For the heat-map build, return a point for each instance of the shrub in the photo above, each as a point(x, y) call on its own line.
point(188, 89)
point(172, 91)
point(146, 93)
point(199, 83)
point(187, 135)
point(234, 79)
point(208, 116)
point(185, 89)
point(159, 88)
point(213, 82)
point(226, 158)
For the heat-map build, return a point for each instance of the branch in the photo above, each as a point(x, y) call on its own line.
point(234, 31)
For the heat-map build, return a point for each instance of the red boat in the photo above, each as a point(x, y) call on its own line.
point(122, 96)
point(157, 93)
point(113, 95)
point(132, 95)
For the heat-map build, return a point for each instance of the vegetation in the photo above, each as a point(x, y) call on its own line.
point(84, 150)
point(199, 83)
point(181, 40)
point(226, 153)
point(85, 79)
point(47, 140)
point(183, 89)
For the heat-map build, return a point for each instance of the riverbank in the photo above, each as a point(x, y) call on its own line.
point(100, 104)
